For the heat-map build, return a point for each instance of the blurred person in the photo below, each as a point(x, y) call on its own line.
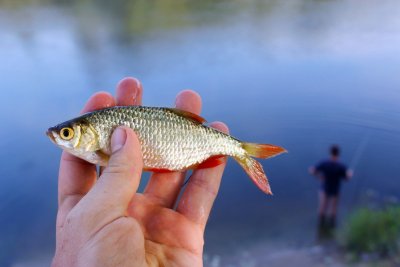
point(330, 172)
point(104, 221)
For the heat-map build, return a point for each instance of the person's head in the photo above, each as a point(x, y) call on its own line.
point(335, 151)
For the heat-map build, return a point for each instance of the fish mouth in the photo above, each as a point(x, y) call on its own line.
point(50, 134)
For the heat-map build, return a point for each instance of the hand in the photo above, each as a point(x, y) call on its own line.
point(349, 174)
point(105, 222)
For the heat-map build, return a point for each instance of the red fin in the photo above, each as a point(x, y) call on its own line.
point(188, 115)
point(256, 172)
point(262, 150)
point(157, 170)
point(210, 162)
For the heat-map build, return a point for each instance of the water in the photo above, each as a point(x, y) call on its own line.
point(300, 74)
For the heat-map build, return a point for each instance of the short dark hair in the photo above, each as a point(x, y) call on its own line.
point(335, 150)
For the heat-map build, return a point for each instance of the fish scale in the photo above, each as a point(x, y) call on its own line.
point(171, 140)
point(179, 142)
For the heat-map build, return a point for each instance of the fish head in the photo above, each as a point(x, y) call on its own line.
point(78, 137)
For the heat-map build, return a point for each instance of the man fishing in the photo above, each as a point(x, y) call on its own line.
point(331, 172)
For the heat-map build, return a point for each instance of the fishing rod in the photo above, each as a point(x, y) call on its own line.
point(354, 163)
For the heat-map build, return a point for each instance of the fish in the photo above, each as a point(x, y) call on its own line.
point(171, 140)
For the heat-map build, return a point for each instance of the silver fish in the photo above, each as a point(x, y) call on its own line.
point(171, 140)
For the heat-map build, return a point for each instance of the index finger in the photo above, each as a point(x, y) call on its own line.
point(98, 101)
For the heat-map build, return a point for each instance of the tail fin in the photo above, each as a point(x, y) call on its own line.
point(262, 150)
point(255, 170)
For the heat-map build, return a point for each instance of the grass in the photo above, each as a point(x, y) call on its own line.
point(373, 232)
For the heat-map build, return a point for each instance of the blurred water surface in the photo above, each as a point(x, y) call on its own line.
point(300, 74)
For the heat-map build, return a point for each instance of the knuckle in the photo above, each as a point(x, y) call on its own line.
point(72, 217)
point(117, 168)
point(205, 186)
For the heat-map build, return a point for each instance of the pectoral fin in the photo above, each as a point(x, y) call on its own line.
point(101, 158)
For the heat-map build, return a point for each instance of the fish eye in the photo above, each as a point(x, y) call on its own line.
point(66, 133)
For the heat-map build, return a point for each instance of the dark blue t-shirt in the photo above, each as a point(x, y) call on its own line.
point(333, 173)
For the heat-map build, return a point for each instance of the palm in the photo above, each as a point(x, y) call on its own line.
point(159, 237)
point(167, 232)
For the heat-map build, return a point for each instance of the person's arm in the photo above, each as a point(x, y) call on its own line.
point(349, 174)
point(316, 171)
point(312, 170)
point(105, 222)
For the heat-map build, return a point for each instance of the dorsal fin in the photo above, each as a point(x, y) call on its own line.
point(188, 115)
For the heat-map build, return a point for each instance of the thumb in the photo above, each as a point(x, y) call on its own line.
point(120, 179)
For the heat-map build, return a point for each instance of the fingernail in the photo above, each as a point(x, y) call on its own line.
point(134, 95)
point(138, 84)
point(118, 139)
point(136, 101)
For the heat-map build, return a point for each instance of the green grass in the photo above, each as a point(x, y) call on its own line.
point(373, 231)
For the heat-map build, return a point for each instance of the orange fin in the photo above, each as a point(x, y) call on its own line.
point(262, 150)
point(256, 172)
point(157, 170)
point(188, 115)
point(210, 162)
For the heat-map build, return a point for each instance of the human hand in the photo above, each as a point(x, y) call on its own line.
point(105, 222)
point(349, 174)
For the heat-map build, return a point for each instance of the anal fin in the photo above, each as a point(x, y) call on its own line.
point(157, 170)
point(210, 162)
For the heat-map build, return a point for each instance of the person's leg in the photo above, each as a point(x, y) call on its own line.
point(334, 200)
point(322, 232)
point(322, 209)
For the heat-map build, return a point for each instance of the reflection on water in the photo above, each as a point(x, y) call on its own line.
point(301, 74)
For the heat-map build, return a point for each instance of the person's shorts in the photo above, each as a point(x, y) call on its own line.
point(331, 192)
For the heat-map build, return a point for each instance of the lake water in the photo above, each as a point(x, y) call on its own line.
point(300, 74)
